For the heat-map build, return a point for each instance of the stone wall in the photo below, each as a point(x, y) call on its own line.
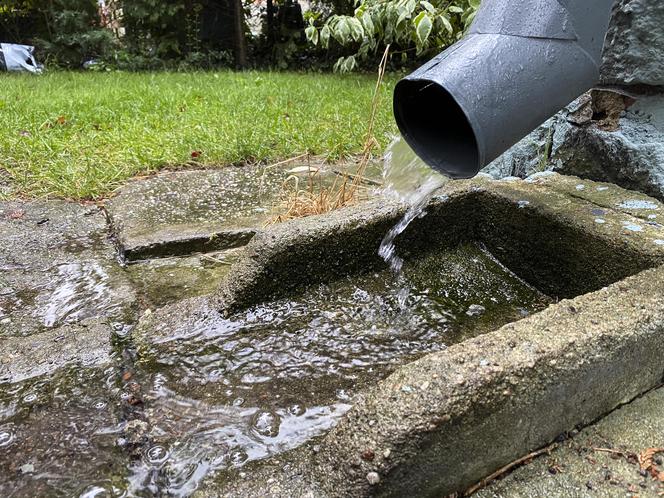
point(615, 134)
point(634, 47)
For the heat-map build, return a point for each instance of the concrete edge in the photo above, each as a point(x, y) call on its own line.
point(283, 258)
point(441, 423)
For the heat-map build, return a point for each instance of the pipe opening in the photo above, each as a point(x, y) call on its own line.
point(436, 128)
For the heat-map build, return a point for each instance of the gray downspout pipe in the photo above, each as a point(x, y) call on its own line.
point(520, 63)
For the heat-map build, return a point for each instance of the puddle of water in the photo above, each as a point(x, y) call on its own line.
point(80, 291)
point(638, 204)
point(167, 280)
point(221, 392)
point(226, 391)
point(58, 435)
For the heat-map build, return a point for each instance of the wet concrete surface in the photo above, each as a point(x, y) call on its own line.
point(58, 267)
point(88, 405)
point(178, 213)
point(168, 280)
point(599, 461)
point(87, 343)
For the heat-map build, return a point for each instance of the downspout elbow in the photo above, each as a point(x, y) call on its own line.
point(519, 64)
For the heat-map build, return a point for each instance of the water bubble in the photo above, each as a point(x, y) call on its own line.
point(100, 405)
point(6, 438)
point(238, 457)
point(266, 423)
point(638, 204)
point(156, 455)
point(30, 398)
point(297, 410)
point(94, 492)
point(632, 227)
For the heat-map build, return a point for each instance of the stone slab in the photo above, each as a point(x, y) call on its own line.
point(86, 344)
point(514, 218)
point(58, 267)
point(630, 154)
point(179, 213)
point(168, 280)
point(595, 462)
point(420, 431)
point(634, 47)
point(425, 430)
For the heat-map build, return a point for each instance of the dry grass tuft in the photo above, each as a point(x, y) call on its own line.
point(307, 198)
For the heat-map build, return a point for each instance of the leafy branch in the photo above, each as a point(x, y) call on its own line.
point(422, 25)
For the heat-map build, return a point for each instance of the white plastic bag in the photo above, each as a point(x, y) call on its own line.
point(18, 58)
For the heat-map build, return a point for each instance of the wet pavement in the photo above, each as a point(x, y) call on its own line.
point(89, 405)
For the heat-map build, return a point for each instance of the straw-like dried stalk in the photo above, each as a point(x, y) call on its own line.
point(346, 189)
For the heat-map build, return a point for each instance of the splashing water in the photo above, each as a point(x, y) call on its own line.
point(411, 181)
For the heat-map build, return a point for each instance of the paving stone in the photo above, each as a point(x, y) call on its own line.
point(183, 212)
point(57, 267)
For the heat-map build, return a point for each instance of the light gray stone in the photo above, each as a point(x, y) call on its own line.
point(572, 143)
point(634, 47)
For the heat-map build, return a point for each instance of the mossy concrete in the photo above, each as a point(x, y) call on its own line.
point(539, 229)
point(164, 281)
point(87, 344)
point(179, 213)
point(424, 430)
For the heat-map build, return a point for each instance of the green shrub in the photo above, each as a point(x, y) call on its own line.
point(413, 28)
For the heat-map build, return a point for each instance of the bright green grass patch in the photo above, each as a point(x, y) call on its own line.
point(80, 135)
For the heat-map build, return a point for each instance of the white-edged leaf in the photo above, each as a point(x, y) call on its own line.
point(341, 31)
point(312, 34)
point(350, 63)
point(428, 7)
point(356, 29)
point(368, 24)
point(475, 4)
point(423, 27)
point(403, 15)
point(325, 36)
point(454, 9)
point(446, 22)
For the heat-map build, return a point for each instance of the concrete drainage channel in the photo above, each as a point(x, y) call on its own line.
point(420, 431)
point(424, 427)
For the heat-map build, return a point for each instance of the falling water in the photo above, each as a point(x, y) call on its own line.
point(410, 180)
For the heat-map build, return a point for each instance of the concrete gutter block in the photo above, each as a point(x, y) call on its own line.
point(445, 421)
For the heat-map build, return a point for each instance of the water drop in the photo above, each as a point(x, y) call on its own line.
point(6, 438)
point(266, 423)
point(296, 410)
point(30, 398)
point(238, 457)
point(156, 455)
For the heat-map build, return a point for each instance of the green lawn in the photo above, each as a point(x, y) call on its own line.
point(80, 135)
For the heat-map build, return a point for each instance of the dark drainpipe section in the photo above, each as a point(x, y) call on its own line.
point(520, 63)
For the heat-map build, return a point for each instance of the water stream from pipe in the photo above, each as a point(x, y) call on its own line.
point(411, 181)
